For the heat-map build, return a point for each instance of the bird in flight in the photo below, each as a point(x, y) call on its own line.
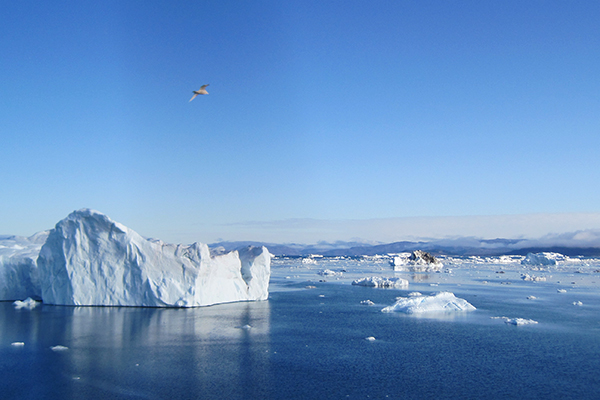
point(202, 90)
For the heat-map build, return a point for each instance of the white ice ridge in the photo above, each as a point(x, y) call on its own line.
point(88, 259)
point(439, 302)
point(379, 282)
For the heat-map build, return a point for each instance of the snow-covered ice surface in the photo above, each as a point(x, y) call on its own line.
point(318, 337)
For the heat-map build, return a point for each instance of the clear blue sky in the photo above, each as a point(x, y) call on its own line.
point(319, 110)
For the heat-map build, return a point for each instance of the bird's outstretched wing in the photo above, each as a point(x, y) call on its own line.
point(203, 86)
point(193, 97)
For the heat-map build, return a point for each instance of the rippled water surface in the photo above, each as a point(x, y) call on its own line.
point(309, 340)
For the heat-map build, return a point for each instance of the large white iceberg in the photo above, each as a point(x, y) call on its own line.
point(88, 259)
point(439, 302)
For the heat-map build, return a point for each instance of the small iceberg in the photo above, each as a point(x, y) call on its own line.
point(28, 303)
point(379, 282)
point(367, 303)
point(533, 278)
point(417, 261)
point(516, 321)
point(544, 258)
point(370, 339)
point(577, 303)
point(59, 348)
point(328, 272)
point(439, 302)
point(17, 344)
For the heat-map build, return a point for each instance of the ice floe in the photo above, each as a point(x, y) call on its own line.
point(438, 302)
point(367, 303)
point(379, 282)
point(330, 273)
point(516, 321)
point(533, 278)
point(28, 303)
point(59, 348)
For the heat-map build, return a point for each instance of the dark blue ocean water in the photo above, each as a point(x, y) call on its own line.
point(309, 344)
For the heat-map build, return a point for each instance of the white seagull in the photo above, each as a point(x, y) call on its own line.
point(202, 90)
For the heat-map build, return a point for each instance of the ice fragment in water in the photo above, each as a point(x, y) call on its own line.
point(439, 302)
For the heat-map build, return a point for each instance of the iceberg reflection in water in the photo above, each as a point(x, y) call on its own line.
point(123, 352)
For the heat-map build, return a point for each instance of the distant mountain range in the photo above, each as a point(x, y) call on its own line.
point(456, 247)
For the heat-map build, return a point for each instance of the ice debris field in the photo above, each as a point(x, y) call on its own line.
point(89, 259)
point(516, 290)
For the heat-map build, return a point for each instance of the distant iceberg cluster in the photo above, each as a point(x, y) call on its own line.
point(439, 302)
point(88, 259)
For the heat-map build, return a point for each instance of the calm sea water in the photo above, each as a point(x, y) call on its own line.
point(310, 343)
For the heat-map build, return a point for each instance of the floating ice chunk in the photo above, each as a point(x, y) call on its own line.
point(328, 272)
point(59, 348)
point(443, 301)
point(17, 344)
point(527, 277)
point(28, 303)
point(577, 303)
point(414, 294)
point(246, 327)
point(370, 339)
point(516, 321)
point(531, 297)
point(367, 303)
point(379, 282)
point(561, 290)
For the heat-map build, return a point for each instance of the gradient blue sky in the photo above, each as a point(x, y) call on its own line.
point(319, 112)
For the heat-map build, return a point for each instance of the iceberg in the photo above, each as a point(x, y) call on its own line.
point(379, 282)
point(417, 261)
point(439, 302)
point(544, 258)
point(18, 266)
point(28, 303)
point(90, 260)
point(533, 278)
